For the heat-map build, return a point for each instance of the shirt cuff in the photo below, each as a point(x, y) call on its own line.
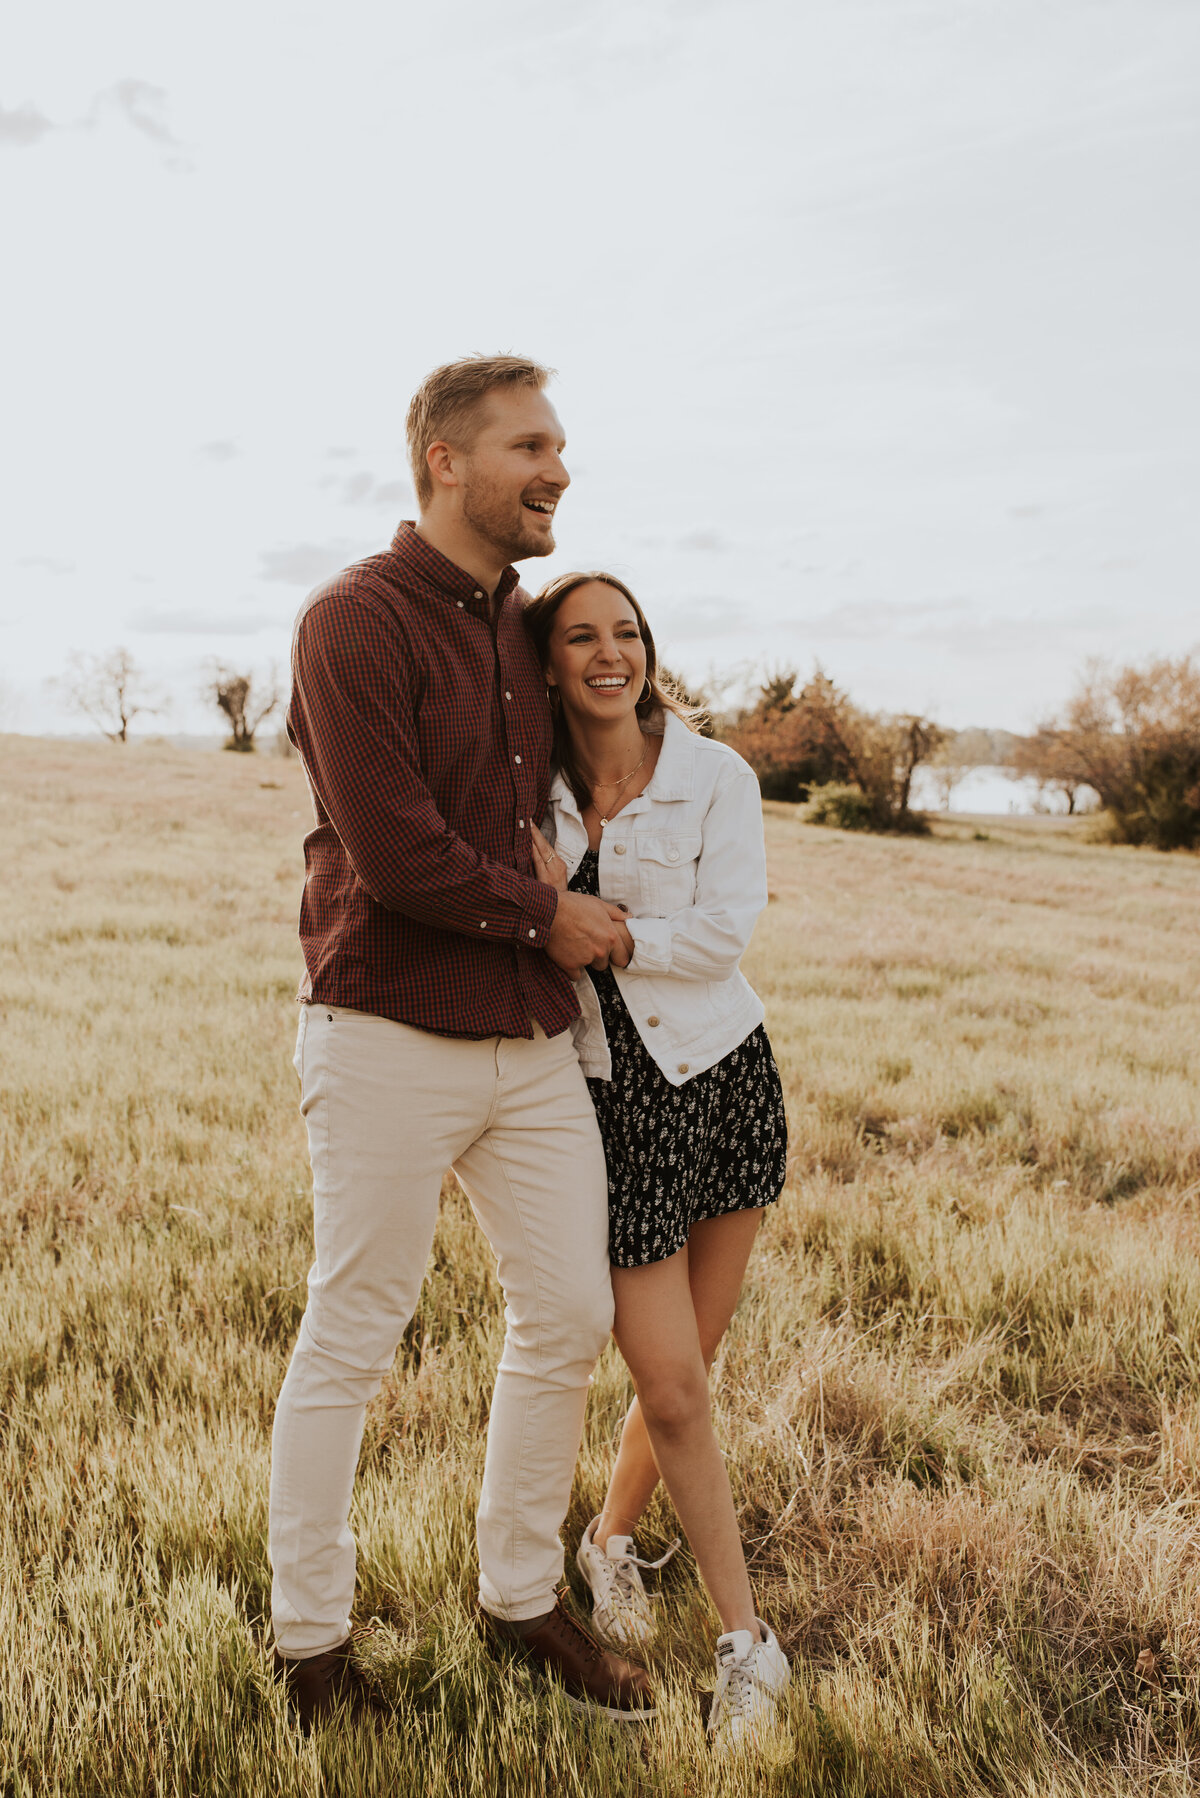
point(537, 915)
point(652, 944)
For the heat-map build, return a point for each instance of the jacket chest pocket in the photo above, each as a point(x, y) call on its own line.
point(666, 873)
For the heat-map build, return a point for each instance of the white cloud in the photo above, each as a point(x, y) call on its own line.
point(687, 620)
point(143, 106)
point(304, 564)
point(194, 622)
point(22, 126)
point(51, 564)
point(362, 489)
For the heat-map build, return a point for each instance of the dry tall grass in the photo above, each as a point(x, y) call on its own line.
point(960, 1397)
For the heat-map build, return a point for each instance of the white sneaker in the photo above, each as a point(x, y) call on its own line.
point(620, 1602)
point(750, 1677)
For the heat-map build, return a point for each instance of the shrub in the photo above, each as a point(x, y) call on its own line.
point(846, 808)
point(1133, 734)
point(849, 808)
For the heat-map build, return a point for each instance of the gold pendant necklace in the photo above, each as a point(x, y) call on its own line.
point(618, 784)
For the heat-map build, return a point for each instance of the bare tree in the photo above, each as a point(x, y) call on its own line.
point(1051, 758)
point(245, 709)
point(108, 689)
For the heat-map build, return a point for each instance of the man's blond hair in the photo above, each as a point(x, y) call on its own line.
point(446, 406)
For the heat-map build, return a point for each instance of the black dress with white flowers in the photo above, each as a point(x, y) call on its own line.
point(677, 1154)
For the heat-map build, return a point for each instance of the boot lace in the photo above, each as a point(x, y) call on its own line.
point(567, 1628)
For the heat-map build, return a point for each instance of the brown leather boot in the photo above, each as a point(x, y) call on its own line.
point(591, 1676)
point(324, 1684)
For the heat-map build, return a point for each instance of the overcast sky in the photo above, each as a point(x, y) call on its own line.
point(875, 321)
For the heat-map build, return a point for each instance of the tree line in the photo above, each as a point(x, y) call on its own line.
point(1130, 736)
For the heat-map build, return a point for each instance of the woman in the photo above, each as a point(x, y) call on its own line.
point(652, 816)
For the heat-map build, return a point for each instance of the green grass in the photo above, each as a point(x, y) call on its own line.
point(959, 1399)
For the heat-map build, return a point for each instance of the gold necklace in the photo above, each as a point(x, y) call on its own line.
point(618, 784)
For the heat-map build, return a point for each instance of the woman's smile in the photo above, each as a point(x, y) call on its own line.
point(596, 651)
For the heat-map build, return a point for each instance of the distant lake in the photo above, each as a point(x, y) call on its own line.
point(991, 790)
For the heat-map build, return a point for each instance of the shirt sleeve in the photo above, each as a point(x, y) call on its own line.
point(706, 940)
point(352, 715)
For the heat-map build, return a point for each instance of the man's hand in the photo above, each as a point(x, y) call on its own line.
point(588, 933)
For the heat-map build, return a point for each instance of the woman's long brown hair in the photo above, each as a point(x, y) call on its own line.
point(540, 614)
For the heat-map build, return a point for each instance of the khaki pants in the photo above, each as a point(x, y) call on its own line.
point(388, 1110)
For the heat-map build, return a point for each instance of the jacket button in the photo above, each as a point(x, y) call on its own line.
point(653, 1023)
point(672, 854)
point(683, 1067)
point(618, 848)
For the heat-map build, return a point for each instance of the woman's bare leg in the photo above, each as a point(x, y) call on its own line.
point(717, 1252)
point(657, 1332)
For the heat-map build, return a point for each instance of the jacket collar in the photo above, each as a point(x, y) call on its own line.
point(673, 778)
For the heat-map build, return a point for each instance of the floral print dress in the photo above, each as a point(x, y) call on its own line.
point(677, 1154)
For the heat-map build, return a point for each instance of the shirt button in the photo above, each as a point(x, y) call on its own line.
point(533, 933)
point(653, 1023)
point(461, 604)
point(683, 1067)
point(672, 855)
point(618, 848)
point(508, 695)
point(520, 823)
point(479, 595)
point(516, 758)
point(483, 923)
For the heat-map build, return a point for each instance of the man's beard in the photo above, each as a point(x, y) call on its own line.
point(502, 522)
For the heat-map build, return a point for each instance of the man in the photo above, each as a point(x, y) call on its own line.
point(434, 1031)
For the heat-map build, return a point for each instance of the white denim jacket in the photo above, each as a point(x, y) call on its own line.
point(686, 856)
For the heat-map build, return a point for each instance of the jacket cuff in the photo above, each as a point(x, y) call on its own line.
point(652, 937)
point(537, 915)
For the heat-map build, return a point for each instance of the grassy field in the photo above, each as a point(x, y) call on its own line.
point(960, 1398)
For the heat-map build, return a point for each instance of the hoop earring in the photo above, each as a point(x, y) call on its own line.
point(646, 693)
point(553, 698)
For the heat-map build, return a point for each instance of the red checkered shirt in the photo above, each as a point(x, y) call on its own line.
point(425, 735)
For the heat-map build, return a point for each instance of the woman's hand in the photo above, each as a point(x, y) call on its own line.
point(550, 867)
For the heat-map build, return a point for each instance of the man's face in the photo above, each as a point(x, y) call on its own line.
point(513, 476)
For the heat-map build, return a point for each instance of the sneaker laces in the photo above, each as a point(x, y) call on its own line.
point(623, 1567)
point(734, 1694)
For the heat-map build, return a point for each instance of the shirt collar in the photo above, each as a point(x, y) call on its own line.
point(449, 579)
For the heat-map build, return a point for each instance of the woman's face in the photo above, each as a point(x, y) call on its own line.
point(596, 657)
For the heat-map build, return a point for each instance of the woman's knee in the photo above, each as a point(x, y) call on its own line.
point(673, 1399)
